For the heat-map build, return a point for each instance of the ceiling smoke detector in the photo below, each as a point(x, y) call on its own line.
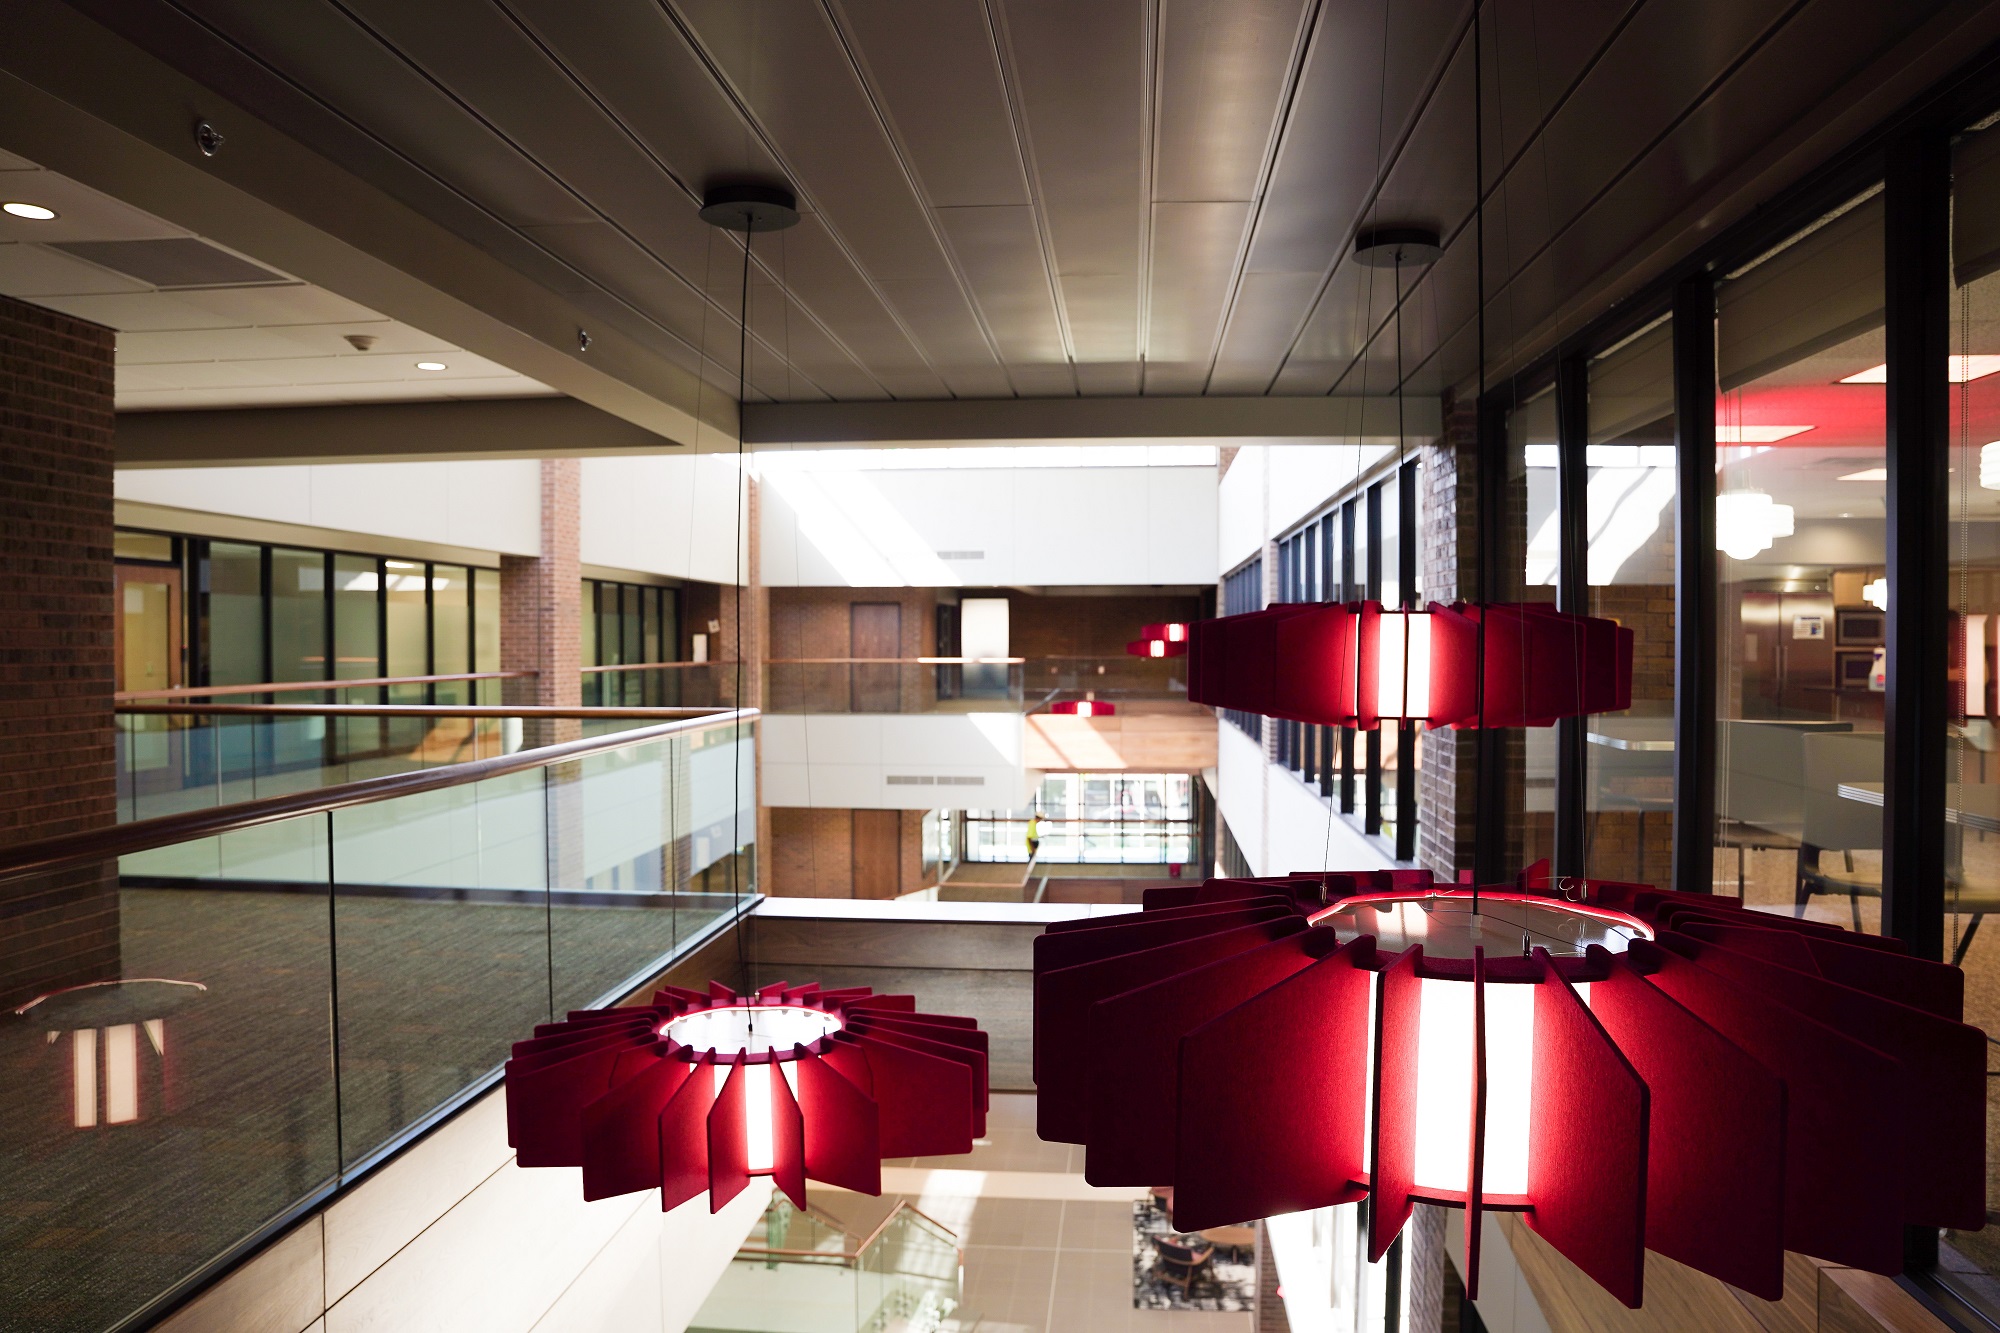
point(1397, 247)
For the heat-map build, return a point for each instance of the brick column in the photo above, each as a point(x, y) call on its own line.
point(541, 615)
point(57, 634)
point(1448, 538)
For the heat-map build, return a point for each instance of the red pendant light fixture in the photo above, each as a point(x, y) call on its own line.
point(703, 1091)
point(1629, 1069)
point(1084, 708)
point(1469, 664)
point(1165, 639)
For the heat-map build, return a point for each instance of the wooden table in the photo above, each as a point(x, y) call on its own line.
point(1973, 805)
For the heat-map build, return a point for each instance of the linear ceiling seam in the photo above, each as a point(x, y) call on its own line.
point(1017, 122)
point(694, 197)
point(751, 123)
point(857, 65)
point(1302, 43)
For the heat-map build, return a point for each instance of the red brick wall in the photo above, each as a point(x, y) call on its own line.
point(1448, 549)
point(541, 613)
point(57, 631)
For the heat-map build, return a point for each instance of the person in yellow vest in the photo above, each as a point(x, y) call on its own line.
point(1034, 833)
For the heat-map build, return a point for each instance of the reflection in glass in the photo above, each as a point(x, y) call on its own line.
point(1629, 577)
point(1971, 826)
point(1800, 489)
point(1531, 548)
point(233, 588)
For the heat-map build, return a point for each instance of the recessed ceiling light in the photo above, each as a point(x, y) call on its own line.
point(432, 365)
point(1756, 434)
point(1963, 368)
point(1867, 474)
point(32, 212)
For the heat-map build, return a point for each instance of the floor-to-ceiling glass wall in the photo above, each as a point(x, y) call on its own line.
point(1630, 516)
point(1530, 551)
point(1801, 485)
point(1971, 826)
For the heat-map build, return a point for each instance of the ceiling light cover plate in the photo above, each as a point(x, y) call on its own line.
point(32, 212)
point(750, 208)
point(1397, 247)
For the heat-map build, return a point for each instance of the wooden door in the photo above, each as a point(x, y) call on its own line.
point(877, 853)
point(148, 628)
point(875, 629)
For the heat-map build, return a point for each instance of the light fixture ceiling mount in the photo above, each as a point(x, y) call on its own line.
point(748, 206)
point(1397, 247)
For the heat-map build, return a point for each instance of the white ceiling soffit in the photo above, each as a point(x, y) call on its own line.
point(1074, 421)
point(200, 326)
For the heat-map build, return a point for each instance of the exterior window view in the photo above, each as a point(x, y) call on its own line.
point(999, 667)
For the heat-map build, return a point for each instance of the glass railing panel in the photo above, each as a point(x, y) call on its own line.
point(441, 939)
point(611, 867)
point(167, 1089)
point(906, 685)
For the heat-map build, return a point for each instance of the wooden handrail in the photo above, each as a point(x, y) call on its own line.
point(99, 845)
point(286, 686)
point(656, 666)
point(406, 710)
point(895, 661)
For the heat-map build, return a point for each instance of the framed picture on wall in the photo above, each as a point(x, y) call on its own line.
point(1859, 626)
point(1851, 667)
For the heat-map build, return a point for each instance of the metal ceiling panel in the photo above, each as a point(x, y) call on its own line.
point(1001, 253)
point(1263, 319)
point(1535, 51)
point(1080, 72)
point(1224, 71)
point(958, 349)
point(937, 71)
point(326, 52)
point(797, 80)
point(636, 62)
point(1196, 250)
point(819, 274)
point(31, 271)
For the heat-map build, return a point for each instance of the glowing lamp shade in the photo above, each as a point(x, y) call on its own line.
point(1083, 708)
point(702, 1091)
point(1747, 522)
point(1467, 664)
point(1627, 1068)
point(1171, 631)
point(1157, 647)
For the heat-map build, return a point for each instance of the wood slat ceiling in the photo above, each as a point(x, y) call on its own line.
point(1046, 198)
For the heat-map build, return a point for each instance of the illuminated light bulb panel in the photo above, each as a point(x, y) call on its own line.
point(1355, 664)
point(1627, 1068)
point(702, 1091)
point(1158, 647)
point(1084, 708)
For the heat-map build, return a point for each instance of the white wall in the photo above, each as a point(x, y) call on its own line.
point(1271, 487)
point(845, 760)
point(491, 505)
point(453, 1237)
point(987, 526)
point(665, 515)
point(1279, 823)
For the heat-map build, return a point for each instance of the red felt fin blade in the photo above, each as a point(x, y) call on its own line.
point(728, 1141)
point(842, 1136)
point(1135, 1038)
point(1943, 1080)
point(621, 1131)
point(1841, 1106)
point(1393, 1154)
point(788, 1135)
point(1290, 1052)
point(1475, 1167)
point(925, 1102)
point(1715, 1143)
point(545, 1105)
point(1586, 1142)
point(684, 1138)
point(1063, 997)
point(973, 1060)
